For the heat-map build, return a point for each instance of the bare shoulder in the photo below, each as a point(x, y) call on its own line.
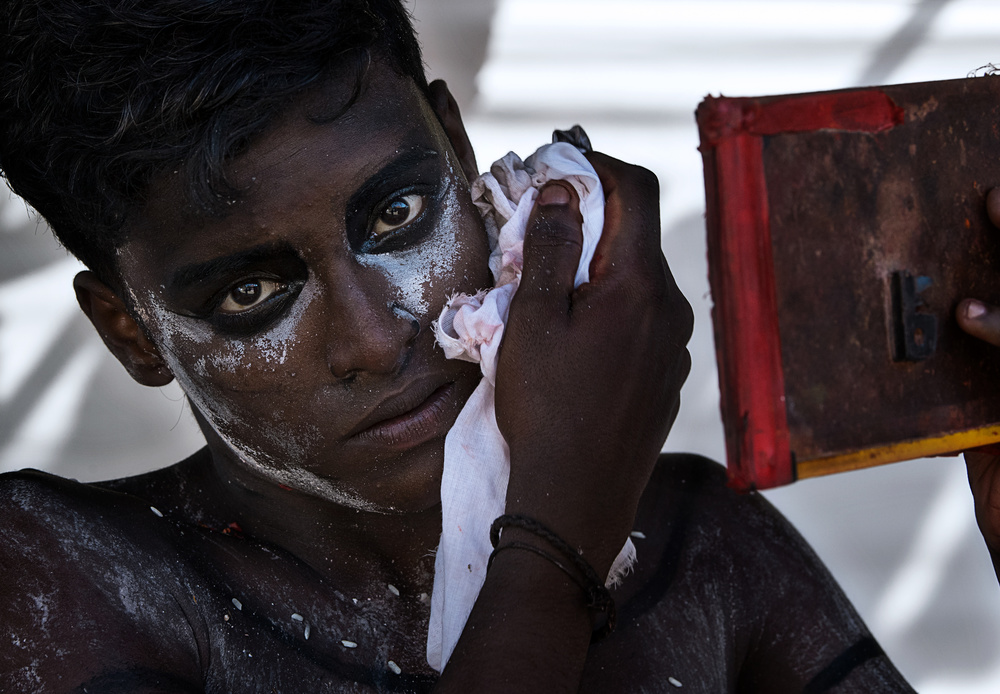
point(692, 515)
point(727, 596)
point(83, 578)
point(52, 517)
point(688, 501)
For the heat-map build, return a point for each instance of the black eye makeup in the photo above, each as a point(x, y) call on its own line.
point(393, 209)
point(399, 221)
point(252, 304)
point(242, 293)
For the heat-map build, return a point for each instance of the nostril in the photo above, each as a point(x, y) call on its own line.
point(381, 340)
point(401, 312)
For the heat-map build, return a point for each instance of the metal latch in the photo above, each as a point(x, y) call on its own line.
point(915, 330)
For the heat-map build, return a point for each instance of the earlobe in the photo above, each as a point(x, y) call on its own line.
point(121, 333)
point(447, 111)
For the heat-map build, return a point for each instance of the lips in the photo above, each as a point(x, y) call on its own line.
point(410, 419)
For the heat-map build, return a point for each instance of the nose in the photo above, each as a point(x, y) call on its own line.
point(370, 331)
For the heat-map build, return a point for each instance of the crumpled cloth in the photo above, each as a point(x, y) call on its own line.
point(476, 457)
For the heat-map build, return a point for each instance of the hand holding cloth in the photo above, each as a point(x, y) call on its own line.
point(477, 461)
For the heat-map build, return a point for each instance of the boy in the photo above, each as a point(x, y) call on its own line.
point(273, 205)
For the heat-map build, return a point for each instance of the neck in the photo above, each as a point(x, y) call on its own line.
point(359, 551)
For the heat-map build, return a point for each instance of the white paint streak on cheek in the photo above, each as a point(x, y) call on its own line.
point(180, 334)
point(229, 360)
point(409, 275)
point(448, 255)
point(275, 343)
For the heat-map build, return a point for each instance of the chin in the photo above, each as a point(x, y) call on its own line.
point(410, 486)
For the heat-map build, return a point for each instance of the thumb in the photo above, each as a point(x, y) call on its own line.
point(979, 320)
point(553, 242)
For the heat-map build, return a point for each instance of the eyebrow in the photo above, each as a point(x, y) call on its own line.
point(398, 166)
point(198, 273)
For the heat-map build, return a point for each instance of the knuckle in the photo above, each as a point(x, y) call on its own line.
point(554, 233)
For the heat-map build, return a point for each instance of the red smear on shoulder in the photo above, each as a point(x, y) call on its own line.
point(233, 529)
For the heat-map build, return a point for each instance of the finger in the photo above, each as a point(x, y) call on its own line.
point(978, 465)
point(552, 243)
point(984, 480)
point(631, 236)
point(993, 206)
point(977, 460)
point(979, 320)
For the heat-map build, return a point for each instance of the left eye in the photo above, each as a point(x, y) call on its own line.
point(250, 293)
point(398, 213)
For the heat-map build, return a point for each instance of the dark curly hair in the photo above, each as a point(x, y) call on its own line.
point(97, 97)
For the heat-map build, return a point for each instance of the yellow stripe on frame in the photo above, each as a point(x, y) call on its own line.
point(905, 450)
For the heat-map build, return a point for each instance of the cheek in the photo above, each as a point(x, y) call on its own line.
point(466, 269)
point(253, 364)
point(240, 386)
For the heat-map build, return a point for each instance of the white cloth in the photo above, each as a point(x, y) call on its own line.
point(476, 458)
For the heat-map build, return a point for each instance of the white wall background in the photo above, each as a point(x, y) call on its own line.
point(900, 539)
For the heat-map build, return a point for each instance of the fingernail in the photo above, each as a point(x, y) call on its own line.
point(553, 194)
point(974, 309)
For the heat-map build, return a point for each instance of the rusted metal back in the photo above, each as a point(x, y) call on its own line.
point(873, 207)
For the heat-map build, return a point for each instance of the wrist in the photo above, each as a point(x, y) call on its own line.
point(537, 585)
point(594, 528)
point(530, 612)
point(518, 533)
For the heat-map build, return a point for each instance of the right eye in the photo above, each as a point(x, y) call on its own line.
point(249, 294)
point(252, 305)
point(398, 213)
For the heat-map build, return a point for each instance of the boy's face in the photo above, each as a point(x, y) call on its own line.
point(299, 325)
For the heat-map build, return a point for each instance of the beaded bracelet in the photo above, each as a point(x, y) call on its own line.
point(598, 597)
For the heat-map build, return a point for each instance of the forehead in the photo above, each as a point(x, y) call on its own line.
point(305, 159)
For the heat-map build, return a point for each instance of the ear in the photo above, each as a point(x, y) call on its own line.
point(120, 331)
point(446, 108)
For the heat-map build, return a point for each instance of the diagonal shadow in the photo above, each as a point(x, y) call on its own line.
point(898, 47)
point(27, 250)
point(46, 373)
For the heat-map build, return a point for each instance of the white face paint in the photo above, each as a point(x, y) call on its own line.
point(180, 336)
point(185, 340)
